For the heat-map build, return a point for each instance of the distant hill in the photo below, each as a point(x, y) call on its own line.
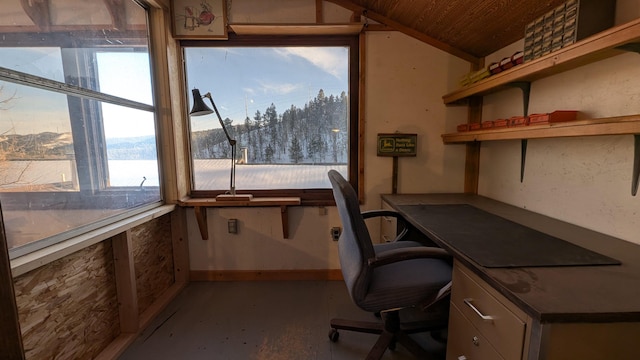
point(59, 146)
point(46, 145)
point(133, 148)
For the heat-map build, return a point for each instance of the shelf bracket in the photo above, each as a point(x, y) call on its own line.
point(634, 47)
point(525, 86)
point(636, 165)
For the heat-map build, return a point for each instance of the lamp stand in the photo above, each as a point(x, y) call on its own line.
point(232, 196)
point(199, 108)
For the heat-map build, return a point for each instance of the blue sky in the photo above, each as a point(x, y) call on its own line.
point(243, 80)
point(123, 74)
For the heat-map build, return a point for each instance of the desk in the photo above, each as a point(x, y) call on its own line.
point(572, 312)
point(200, 206)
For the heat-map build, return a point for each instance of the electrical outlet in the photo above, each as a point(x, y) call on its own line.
point(232, 226)
point(335, 233)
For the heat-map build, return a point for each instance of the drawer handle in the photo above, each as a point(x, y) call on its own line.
point(386, 238)
point(388, 218)
point(475, 309)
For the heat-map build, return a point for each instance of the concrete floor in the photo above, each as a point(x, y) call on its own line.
point(257, 320)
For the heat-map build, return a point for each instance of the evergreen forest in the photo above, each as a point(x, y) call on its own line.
point(314, 134)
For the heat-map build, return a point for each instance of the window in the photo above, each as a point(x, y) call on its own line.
point(290, 104)
point(77, 136)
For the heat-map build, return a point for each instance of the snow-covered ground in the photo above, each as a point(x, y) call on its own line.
point(209, 174)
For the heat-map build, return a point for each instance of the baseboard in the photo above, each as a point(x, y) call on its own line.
point(122, 342)
point(265, 275)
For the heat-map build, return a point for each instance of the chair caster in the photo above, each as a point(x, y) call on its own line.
point(334, 335)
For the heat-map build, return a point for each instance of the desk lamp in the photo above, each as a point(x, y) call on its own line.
point(200, 108)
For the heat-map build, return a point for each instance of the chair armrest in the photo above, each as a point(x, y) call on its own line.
point(409, 253)
point(378, 213)
point(392, 213)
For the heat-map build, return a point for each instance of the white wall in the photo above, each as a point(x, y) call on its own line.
point(405, 81)
point(586, 180)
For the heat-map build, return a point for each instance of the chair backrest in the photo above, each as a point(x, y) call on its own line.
point(354, 247)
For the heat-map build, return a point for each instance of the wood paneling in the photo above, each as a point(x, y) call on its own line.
point(472, 27)
point(153, 259)
point(69, 308)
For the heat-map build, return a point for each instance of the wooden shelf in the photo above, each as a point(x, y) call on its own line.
point(200, 206)
point(621, 125)
point(297, 29)
point(589, 50)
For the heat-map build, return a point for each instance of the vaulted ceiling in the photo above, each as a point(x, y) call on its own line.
point(470, 29)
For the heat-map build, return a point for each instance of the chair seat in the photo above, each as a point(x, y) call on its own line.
point(391, 287)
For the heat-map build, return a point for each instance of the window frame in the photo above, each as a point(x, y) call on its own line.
point(317, 197)
point(94, 191)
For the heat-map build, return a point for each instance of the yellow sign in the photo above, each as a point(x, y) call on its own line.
point(397, 144)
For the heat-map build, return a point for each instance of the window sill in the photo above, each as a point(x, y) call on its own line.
point(34, 260)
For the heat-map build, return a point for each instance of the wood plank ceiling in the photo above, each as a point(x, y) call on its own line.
point(466, 28)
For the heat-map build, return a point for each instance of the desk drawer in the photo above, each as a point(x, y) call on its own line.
point(488, 313)
point(466, 342)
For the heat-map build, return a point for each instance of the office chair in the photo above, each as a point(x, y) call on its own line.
point(388, 278)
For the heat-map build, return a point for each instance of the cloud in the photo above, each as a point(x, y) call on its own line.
point(329, 60)
point(278, 88)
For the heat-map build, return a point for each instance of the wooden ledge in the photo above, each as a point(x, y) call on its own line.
point(200, 204)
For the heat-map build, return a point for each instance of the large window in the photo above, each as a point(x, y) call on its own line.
point(77, 128)
point(289, 103)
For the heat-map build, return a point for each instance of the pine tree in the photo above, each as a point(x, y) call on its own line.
point(295, 151)
point(314, 150)
point(268, 154)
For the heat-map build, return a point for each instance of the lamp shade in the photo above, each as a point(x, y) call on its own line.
point(199, 107)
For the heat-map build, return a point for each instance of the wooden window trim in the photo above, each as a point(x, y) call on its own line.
point(309, 197)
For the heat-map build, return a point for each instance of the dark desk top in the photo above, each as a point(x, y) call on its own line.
point(609, 293)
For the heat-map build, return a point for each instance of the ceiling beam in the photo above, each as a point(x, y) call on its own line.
point(118, 13)
point(406, 30)
point(38, 12)
point(319, 12)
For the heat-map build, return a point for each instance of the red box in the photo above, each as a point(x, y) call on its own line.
point(535, 119)
point(563, 115)
point(487, 124)
point(556, 116)
point(500, 123)
point(517, 121)
point(506, 63)
point(475, 126)
point(517, 58)
point(494, 68)
point(463, 127)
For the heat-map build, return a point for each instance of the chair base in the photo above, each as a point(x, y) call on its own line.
point(392, 331)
